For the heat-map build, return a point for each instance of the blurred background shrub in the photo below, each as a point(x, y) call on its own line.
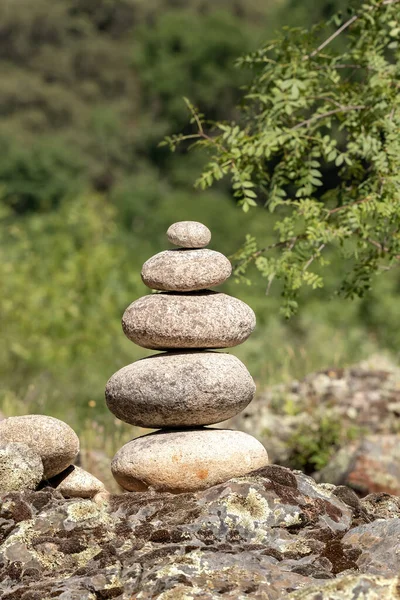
point(89, 88)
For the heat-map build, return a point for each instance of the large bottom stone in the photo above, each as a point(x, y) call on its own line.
point(186, 460)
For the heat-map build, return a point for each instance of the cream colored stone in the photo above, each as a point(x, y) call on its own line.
point(180, 389)
point(186, 270)
point(197, 320)
point(189, 234)
point(21, 468)
point(186, 460)
point(75, 482)
point(53, 440)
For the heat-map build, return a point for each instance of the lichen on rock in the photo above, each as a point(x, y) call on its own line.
point(271, 534)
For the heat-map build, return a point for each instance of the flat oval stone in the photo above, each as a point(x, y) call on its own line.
point(53, 440)
point(180, 390)
point(189, 234)
point(75, 482)
point(198, 320)
point(186, 270)
point(20, 468)
point(186, 460)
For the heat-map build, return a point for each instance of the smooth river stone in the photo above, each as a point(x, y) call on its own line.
point(75, 482)
point(186, 270)
point(186, 460)
point(197, 320)
point(20, 468)
point(180, 390)
point(53, 440)
point(189, 234)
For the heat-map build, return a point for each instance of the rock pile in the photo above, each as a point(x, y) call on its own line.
point(189, 386)
point(272, 535)
point(37, 450)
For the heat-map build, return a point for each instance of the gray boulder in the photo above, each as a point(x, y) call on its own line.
point(198, 320)
point(180, 389)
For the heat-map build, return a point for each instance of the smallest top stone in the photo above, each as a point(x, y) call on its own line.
point(189, 234)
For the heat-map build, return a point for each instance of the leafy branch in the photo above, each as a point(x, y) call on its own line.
point(317, 144)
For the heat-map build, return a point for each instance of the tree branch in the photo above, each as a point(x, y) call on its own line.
point(327, 114)
point(344, 206)
point(313, 257)
point(332, 37)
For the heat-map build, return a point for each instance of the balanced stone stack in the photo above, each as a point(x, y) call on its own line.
point(189, 386)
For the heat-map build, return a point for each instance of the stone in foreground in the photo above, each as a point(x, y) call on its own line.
point(180, 390)
point(189, 234)
point(75, 482)
point(186, 460)
point(186, 270)
point(53, 440)
point(20, 468)
point(198, 320)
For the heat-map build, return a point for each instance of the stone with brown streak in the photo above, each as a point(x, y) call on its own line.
point(186, 460)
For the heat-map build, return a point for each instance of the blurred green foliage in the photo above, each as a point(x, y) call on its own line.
point(89, 87)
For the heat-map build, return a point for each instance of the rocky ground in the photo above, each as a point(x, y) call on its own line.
point(340, 425)
point(273, 534)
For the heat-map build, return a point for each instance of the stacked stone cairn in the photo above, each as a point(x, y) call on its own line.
point(189, 386)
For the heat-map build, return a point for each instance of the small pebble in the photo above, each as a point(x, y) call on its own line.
point(189, 234)
point(75, 482)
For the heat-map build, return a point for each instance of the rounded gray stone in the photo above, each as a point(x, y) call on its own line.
point(186, 460)
point(75, 482)
point(197, 320)
point(189, 234)
point(21, 468)
point(53, 440)
point(186, 270)
point(180, 390)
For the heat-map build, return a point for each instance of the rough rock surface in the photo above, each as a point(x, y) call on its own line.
point(180, 389)
point(21, 468)
point(186, 270)
point(55, 442)
point(371, 464)
point(271, 535)
point(75, 482)
point(305, 424)
point(198, 320)
point(352, 587)
point(186, 459)
point(189, 234)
